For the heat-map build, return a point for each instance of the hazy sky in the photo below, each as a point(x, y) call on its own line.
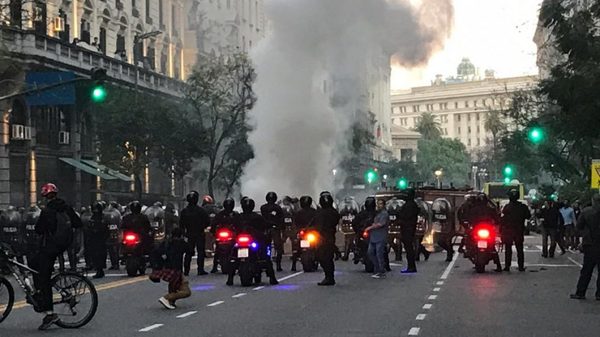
point(494, 34)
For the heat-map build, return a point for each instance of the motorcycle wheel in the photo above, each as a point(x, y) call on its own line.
point(479, 268)
point(132, 265)
point(308, 262)
point(480, 263)
point(246, 274)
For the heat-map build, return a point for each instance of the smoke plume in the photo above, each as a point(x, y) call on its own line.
point(314, 69)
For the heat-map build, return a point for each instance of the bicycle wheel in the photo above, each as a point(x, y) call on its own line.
point(75, 299)
point(7, 298)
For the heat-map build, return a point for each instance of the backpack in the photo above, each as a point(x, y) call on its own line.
point(63, 237)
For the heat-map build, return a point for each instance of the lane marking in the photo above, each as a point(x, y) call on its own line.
point(414, 331)
point(432, 297)
point(427, 306)
point(421, 317)
point(151, 327)
point(576, 263)
point(439, 283)
point(239, 295)
point(290, 276)
point(449, 268)
point(259, 288)
point(215, 303)
point(187, 314)
point(436, 289)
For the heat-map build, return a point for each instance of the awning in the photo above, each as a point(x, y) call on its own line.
point(88, 169)
point(107, 170)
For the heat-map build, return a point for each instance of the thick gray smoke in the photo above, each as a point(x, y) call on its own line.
point(313, 74)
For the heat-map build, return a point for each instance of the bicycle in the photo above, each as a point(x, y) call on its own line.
point(71, 291)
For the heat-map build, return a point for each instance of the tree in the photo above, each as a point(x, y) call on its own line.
point(220, 95)
point(428, 126)
point(449, 155)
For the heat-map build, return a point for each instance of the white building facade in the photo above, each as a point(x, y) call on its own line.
point(460, 108)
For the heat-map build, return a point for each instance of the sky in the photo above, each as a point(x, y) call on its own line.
point(494, 34)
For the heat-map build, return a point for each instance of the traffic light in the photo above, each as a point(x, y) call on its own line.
point(371, 176)
point(508, 172)
point(98, 93)
point(402, 183)
point(536, 135)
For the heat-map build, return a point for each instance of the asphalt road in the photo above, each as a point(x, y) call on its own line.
point(442, 299)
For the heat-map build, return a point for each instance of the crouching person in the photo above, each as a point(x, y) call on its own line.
point(171, 256)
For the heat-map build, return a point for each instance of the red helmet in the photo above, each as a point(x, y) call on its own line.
point(49, 188)
point(207, 200)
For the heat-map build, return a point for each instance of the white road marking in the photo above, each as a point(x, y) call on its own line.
point(449, 268)
point(151, 327)
point(436, 289)
point(421, 317)
point(239, 295)
point(576, 263)
point(432, 297)
point(290, 276)
point(395, 264)
point(540, 247)
point(427, 306)
point(215, 303)
point(187, 314)
point(259, 288)
point(439, 283)
point(414, 331)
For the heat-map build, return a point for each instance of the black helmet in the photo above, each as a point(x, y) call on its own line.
point(305, 201)
point(513, 195)
point(370, 203)
point(135, 207)
point(97, 207)
point(229, 204)
point(326, 200)
point(193, 197)
point(410, 193)
point(271, 197)
point(247, 205)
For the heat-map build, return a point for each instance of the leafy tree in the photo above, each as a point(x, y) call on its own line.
point(428, 126)
point(449, 155)
point(220, 94)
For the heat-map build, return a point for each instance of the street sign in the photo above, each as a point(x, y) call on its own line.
point(595, 173)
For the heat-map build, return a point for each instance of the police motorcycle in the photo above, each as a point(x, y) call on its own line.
point(245, 258)
point(225, 240)
point(393, 207)
point(480, 244)
point(309, 240)
point(443, 225)
point(348, 210)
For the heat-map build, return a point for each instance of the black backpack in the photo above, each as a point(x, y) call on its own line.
point(63, 236)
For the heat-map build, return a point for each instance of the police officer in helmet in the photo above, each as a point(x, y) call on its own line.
point(194, 220)
point(273, 215)
point(303, 219)
point(98, 239)
point(513, 220)
point(326, 221)
point(408, 226)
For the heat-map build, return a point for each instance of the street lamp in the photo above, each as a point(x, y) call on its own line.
point(334, 171)
point(438, 176)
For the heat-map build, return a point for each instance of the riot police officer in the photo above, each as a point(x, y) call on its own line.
point(348, 212)
point(394, 207)
point(227, 218)
point(10, 227)
point(302, 219)
point(513, 220)
point(208, 203)
point(408, 224)
point(288, 220)
point(99, 238)
point(255, 224)
point(194, 220)
point(139, 224)
point(171, 219)
point(30, 237)
point(273, 215)
point(483, 211)
point(442, 221)
point(326, 221)
point(112, 222)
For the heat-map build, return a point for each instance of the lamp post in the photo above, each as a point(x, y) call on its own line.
point(438, 176)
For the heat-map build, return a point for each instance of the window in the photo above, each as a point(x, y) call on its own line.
point(147, 10)
point(468, 117)
point(475, 103)
point(120, 44)
point(458, 117)
point(478, 141)
point(444, 131)
point(160, 12)
point(478, 129)
point(415, 108)
point(469, 129)
point(455, 105)
point(415, 120)
point(458, 130)
point(429, 107)
point(466, 104)
point(444, 118)
point(406, 154)
point(173, 17)
point(102, 42)
point(469, 142)
point(477, 116)
point(443, 106)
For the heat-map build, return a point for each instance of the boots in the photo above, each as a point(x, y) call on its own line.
point(294, 265)
point(279, 264)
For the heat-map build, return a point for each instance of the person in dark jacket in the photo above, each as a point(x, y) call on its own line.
point(553, 220)
point(513, 220)
point(326, 221)
point(98, 239)
point(273, 215)
point(50, 247)
point(175, 249)
point(302, 219)
point(227, 218)
point(409, 215)
point(194, 220)
point(139, 224)
point(588, 224)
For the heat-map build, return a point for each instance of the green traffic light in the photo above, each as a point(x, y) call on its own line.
point(536, 135)
point(371, 176)
point(506, 180)
point(98, 94)
point(402, 184)
point(508, 170)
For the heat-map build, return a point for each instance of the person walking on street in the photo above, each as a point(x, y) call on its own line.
point(326, 221)
point(171, 271)
point(194, 220)
point(552, 220)
point(377, 240)
point(568, 230)
point(512, 223)
point(588, 224)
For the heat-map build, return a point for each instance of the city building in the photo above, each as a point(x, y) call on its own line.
point(460, 107)
point(405, 144)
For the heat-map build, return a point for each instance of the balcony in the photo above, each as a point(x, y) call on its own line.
point(54, 53)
